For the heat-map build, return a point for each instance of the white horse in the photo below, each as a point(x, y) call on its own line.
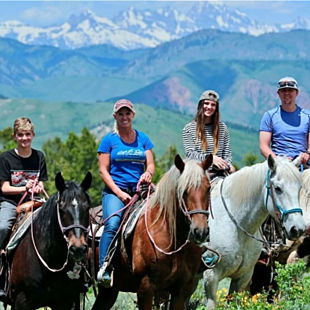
point(240, 204)
point(303, 244)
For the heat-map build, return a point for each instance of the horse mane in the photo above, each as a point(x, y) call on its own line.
point(170, 190)
point(244, 187)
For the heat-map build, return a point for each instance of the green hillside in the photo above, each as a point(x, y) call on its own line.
point(164, 127)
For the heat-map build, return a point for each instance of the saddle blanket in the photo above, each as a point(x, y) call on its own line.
point(15, 239)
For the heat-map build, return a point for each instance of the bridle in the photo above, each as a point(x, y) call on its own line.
point(187, 214)
point(280, 212)
point(63, 229)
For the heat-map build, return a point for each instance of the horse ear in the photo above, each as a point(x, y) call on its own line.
point(207, 162)
point(179, 163)
point(85, 185)
point(271, 163)
point(60, 182)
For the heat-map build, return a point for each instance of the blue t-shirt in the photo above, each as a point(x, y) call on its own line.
point(126, 160)
point(289, 130)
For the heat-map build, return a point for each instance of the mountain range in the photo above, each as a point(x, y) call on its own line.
point(142, 28)
point(244, 69)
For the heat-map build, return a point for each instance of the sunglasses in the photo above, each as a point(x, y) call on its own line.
point(287, 84)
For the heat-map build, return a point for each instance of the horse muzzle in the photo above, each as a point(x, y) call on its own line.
point(198, 235)
point(78, 253)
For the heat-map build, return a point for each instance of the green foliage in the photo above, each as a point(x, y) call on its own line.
point(73, 158)
point(250, 159)
point(6, 141)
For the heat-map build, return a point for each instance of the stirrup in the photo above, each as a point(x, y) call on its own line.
point(209, 261)
point(105, 276)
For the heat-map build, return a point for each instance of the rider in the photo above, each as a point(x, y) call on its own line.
point(284, 130)
point(125, 158)
point(205, 135)
point(22, 169)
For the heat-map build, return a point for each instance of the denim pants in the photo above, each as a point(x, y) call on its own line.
point(7, 219)
point(110, 204)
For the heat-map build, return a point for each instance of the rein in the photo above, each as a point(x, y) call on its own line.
point(234, 220)
point(184, 211)
point(280, 212)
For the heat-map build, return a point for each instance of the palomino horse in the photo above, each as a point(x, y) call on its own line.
point(45, 268)
point(162, 255)
point(240, 203)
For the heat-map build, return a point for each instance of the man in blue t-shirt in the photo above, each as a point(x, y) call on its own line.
point(284, 130)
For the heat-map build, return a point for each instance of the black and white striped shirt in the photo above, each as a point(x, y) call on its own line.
point(193, 149)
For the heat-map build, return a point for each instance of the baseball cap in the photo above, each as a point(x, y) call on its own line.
point(123, 103)
point(287, 82)
point(210, 95)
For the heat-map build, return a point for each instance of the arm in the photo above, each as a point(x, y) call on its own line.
point(306, 155)
point(264, 144)
point(146, 177)
point(7, 189)
point(189, 145)
point(104, 167)
point(227, 157)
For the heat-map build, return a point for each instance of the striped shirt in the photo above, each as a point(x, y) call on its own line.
point(193, 149)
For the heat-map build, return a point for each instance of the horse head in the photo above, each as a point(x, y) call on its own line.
point(283, 186)
point(194, 195)
point(73, 217)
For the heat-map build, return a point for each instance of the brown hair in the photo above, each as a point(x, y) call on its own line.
point(23, 123)
point(200, 126)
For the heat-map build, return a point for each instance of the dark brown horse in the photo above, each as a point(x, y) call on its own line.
point(162, 256)
point(46, 268)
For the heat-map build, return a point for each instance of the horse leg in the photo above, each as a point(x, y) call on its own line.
point(105, 299)
point(211, 282)
point(145, 294)
point(240, 284)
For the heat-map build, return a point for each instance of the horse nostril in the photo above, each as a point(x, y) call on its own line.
point(295, 233)
point(78, 252)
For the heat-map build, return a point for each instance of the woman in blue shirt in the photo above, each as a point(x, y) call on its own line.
point(125, 158)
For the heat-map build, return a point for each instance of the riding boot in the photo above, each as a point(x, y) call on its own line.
point(2, 275)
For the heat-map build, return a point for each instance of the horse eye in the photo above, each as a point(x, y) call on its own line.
point(278, 190)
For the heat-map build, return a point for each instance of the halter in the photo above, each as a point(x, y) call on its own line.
point(187, 214)
point(280, 212)
point(63, 229)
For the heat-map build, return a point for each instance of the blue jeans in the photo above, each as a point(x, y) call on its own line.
point(110, 204)
point(7, 220)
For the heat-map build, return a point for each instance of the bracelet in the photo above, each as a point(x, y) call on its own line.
point(149, 172)
point(307, 152)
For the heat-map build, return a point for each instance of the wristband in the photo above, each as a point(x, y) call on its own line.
point(307, 152)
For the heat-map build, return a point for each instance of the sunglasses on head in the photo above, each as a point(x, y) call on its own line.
point(287, 84)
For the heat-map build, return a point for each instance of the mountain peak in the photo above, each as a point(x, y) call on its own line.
point(142, 28)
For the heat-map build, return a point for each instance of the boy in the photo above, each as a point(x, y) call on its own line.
point(22, 169)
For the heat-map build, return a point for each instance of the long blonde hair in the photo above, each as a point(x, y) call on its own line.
point(200, 126)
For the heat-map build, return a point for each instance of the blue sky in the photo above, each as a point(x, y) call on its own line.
point(45, 13)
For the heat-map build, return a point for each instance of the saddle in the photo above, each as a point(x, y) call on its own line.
point(129, 220)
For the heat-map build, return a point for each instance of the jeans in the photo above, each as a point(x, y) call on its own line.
point(110, 204)
point(7, 220)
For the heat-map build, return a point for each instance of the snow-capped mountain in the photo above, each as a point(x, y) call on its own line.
point(137, 28)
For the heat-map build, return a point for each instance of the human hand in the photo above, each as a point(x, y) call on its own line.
point(220, 162)
point(304, 157)
point(146, 177)
point(30, 185)
point(124, 197)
